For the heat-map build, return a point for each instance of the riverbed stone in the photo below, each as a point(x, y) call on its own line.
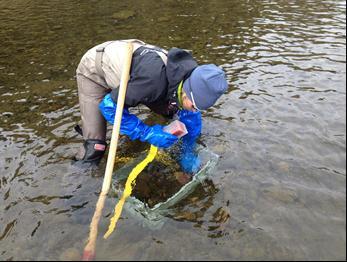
point(123, 15)
point(280, 194)
point(70, 254)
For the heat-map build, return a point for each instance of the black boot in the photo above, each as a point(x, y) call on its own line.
point(92, 151)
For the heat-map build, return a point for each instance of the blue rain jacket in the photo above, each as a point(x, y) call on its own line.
point(134, 128)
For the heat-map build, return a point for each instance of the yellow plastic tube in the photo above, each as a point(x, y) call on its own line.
point(130, 183)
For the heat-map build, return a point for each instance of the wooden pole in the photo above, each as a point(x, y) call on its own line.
point(89, 250)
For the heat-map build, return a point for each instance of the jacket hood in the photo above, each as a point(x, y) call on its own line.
point(180, 65)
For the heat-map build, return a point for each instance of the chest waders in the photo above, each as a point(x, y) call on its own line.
point(90, 95)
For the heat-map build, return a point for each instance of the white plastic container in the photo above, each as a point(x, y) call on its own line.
point(176, 128)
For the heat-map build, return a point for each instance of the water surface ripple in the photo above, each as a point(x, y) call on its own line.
point(279, 190)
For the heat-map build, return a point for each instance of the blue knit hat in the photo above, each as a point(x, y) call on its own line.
point(205, 85)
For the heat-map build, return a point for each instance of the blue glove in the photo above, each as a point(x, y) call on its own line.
point(192, 121)
point(190, 163)
point(156, 136)
point(189, 160)
point(134, 128)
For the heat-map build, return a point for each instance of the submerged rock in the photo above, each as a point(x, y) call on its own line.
point(70, 254)
point(123, 15)
point(281, 194)
point(283, 166)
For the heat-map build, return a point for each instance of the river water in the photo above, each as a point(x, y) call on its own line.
point(279, 189)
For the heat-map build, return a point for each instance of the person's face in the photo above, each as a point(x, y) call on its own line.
point(187, 103)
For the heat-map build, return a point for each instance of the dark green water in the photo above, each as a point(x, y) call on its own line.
point(279, 191)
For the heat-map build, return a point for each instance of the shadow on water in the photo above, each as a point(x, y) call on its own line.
point(278, 191)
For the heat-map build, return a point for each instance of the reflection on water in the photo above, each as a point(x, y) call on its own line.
point(279, 189)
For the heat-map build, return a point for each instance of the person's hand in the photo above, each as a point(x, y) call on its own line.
point(192, 121)
point(190, 163)
point(157, 137)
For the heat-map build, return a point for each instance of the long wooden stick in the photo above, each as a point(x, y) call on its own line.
point(89, 250)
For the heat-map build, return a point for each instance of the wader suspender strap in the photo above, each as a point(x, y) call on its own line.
point(162, 56)
point(98, 59)
point(161, 52)
point(100, 51)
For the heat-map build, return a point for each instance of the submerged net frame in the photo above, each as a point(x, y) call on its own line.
point(155, 216)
